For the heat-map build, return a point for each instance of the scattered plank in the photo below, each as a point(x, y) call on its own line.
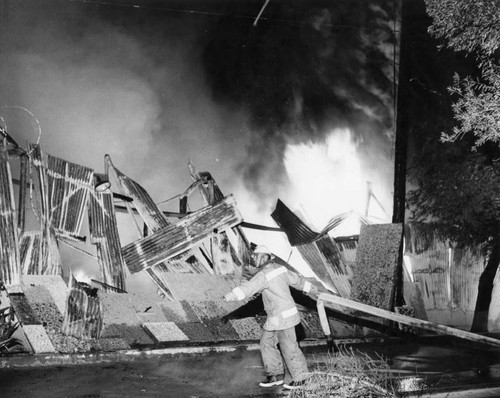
point(437, 328)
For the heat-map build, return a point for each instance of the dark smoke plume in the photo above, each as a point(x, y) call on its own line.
point(304, 69)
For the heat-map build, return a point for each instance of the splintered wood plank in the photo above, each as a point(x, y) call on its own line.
point(407, 320)
point(177, 238)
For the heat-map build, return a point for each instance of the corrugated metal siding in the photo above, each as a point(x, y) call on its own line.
point(84, 314)
point(448, 276)
point(209, 189)
point(182, 236)
point(431, 270)
point(348, 248)
point(146, 207)
point(39, 253)
point(316, 260)
point(225, 259)
point(10, 264)
point(69, 186)
point(155, 220)
point(466, 268)
point(30, 252)
point(336, 268)
point(192, 261)
point(157, 275)
point(185, 263)
point(297, 232)
point(104, 234)
point(50, 257)
point(66, 186)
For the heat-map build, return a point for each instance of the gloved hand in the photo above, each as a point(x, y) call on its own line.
point(332, 346)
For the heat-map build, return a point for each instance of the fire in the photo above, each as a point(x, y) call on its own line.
point(326, 180)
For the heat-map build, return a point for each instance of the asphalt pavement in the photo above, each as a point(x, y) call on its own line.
point(424, 368)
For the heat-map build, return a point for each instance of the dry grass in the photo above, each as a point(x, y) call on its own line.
point(349, 375)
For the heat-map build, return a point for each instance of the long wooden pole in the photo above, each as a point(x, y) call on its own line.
point(419, 323)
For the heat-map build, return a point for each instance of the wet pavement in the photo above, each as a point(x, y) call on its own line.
point(434, 367)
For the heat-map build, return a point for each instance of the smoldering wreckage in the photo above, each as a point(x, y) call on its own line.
point(194, 257)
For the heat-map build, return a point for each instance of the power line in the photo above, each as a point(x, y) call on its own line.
point(222, 14)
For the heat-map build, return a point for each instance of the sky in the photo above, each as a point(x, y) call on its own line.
point(296, 105)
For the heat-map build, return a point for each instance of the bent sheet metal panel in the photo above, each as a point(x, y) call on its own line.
point(319, 250)
point(70, 184)
point(104, 234)
point(155, 220)
point(466, 268)
point(10, 265)
point(182, 236)
point(430, 263)
point(144, 204)
point(448, 276)
point(319, 265)
point(64, 190)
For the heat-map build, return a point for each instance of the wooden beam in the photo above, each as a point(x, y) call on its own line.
point(177, 238)
point(434, 327)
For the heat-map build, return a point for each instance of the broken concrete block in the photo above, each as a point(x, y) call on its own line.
point(198, 287)
point(48, 314)
point(196, 332)
point(109, 344)
point(165, 331)
point(376, 274)
point(38, 339)
point(247, 328)
point(134, 335)
point(178, 312)
point(54, 284)
point(23, 310)
point(14, 289)
point(118, 309)
point(214, 309)
point(211, 313)
point(146, 307)
point(37, 294)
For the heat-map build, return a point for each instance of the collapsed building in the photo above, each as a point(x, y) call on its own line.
point(193, 257)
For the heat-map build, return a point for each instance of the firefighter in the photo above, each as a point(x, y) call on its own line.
point(273, 280)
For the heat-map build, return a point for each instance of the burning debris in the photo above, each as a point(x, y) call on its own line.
point(192, 257)
point(207, 242)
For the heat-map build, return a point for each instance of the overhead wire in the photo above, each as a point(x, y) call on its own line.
point(223, 14)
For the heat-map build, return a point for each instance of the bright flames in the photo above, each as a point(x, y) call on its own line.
point(326, 180)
